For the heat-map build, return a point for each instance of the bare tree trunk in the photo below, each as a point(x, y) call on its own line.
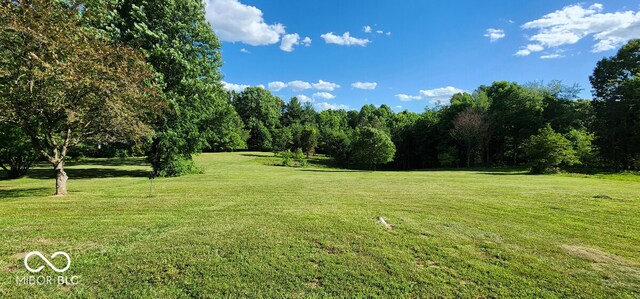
point(61, 179)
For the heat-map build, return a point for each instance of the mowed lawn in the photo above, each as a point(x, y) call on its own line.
point(245, 228)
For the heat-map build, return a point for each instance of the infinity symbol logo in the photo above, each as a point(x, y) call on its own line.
point(26, 263)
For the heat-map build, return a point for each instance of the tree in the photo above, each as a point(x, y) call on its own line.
point(178, 42)
point(470, 128)
point(292, 112)
point(372, 147)
point(62, 83)
point(225, 129)
point(260, 110)
point(616, 90)
point(282, 139)
point(337, 144)
point(515, 114)
point(309, 140)
point(547, 150)
point(16, 151)
point(582, 143)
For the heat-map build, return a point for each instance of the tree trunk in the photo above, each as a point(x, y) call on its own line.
point(468, 155)
point(61, 179)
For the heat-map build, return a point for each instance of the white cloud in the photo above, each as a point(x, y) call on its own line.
point(323, 95)
point(495, 34)
point(439, 95)
point(345, 40)
point(575, 22)
point(534, 48)
point(288, 41)
point(379, 31)
point(366, 29)
point(303, 99)
point(236, 22)
point(388, 33)
point(298, 85)
point(323, 85)
point(365, 85)
point(243, 50)
point(328, 106)
point(527, 50)
point(277, 85)
point(551, 56)
point(398, 107)
point(235, 87)
point(406, 97)
point(436, 96)
point(306, 41)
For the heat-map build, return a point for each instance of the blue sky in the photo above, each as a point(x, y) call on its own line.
point(413, 54)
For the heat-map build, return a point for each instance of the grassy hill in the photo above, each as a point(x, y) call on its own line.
point(245, 228)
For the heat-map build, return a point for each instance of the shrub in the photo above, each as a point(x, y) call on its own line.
point(372, 147)
point(16, 152)
point(547, 150)
point(582, 143)
point(293, 159)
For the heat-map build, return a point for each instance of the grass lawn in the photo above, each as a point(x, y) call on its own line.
point(245, 228)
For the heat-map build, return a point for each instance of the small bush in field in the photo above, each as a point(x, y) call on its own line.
point(293, 159)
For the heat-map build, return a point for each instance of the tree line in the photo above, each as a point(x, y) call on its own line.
point(106, 78)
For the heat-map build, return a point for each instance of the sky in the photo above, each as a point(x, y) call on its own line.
point(412, 54)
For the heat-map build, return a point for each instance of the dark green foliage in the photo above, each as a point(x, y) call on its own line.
point(282, 139)
point(178, 42)
point(293, 112)
point(261, 111)
point(225, 129)
point(309, 140)
point(371, 147)
point(16, 151)
point(616, 85)
point(515, 114)
point(547, 150)
point(337, 144)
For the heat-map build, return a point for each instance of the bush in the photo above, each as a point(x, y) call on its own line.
point(547, 150)
point(16, 152)
point(293, 159)
point(582, 143)
point(178, 167)
point(372, 147)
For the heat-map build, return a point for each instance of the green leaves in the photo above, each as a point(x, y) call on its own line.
point(616, 84)
point(372, 147)
point(548, 149)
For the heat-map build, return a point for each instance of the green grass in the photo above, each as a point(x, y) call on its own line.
point(246, 228)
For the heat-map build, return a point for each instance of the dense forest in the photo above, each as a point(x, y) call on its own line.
point(124, 78)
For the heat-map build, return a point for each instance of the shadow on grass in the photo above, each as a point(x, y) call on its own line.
point(503, 173)
point(25, 192)
point(333, 170)
point(109, 162)
point(90, 173)
point(266, 155)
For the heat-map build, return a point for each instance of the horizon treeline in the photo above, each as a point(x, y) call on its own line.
point(80, 108)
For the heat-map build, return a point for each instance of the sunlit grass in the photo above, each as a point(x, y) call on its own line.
point(246, 228)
